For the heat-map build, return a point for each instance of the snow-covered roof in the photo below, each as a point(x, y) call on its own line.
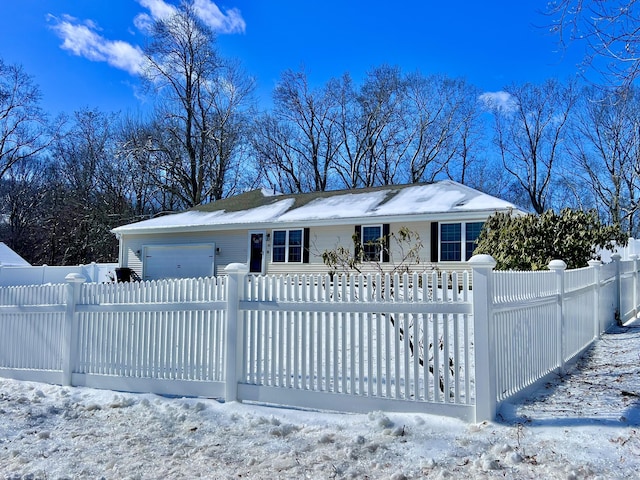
point(265, 207)
point(9, 258)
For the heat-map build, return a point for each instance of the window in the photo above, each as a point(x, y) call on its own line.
point(450, 242)
point(453, 236)
point(279, 248)
point(287, 246)
point(372, 243)
point(295, 246)
point(472, 231)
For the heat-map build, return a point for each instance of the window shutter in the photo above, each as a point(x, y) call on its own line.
point(385, 243)
point(305, 250)
point(357, 242)
point(434, 241)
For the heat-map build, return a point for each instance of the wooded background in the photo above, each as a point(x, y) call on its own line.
point(66, 181)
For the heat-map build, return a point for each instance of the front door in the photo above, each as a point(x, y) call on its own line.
point(256, 252)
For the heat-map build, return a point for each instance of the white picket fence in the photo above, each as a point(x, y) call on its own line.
point(438, 342)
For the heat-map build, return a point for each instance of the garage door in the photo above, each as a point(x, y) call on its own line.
point(178, 261)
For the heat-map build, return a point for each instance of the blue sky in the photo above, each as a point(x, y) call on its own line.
point(82, 53)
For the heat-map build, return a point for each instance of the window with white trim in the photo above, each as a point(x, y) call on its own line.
point(453, 236)
point(472, 232)
point(287, 246)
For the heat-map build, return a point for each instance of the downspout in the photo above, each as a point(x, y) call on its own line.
point(120, 249)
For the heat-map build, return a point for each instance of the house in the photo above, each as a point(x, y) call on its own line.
point(275, 233)
point(9, 258)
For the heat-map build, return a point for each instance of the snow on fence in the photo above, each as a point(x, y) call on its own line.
point(423, 342)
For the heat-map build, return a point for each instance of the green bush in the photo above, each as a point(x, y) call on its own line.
point(530, 242)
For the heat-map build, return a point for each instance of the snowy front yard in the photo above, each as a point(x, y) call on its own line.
point(582, 426)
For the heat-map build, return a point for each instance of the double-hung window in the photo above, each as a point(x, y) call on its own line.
point(287, 246)
point(472, 232)
point(458, 240)
point(372, 243)
point(450, 242)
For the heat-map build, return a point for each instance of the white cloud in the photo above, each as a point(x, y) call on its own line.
point(82, 39)
point(158, 8)
point(501, 101)
point(229, 22)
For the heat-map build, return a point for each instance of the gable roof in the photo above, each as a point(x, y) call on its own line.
point(9, 258)
point(263, 208)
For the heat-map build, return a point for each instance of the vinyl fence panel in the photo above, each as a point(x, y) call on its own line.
point(425, 341)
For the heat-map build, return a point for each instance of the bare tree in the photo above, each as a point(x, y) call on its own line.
point(369, 125)
point(352, 149)
point(440, 122)
point(610, 29)
point(22, 202)
point(139, 170)
point(275, 158)
point(297, 143)
point(372, 127)
point(605, 148)
point(404, 128)
point(231, 110)
point(379, 125)
point(469, 135)
point(198, 115)
point(530, 134)
point(84, 199)
point(23, 129)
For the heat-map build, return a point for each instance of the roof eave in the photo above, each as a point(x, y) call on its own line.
point(405, 218)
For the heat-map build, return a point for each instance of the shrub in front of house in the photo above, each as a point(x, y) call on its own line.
point(530, 242)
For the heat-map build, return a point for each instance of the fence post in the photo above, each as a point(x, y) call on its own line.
point(235, 292)
point(596, 265)
point(485, 371)
point(615, 258)
point(558, 266)
point(69, 348)
point(634, 258)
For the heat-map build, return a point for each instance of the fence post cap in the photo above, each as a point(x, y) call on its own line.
point(616, 256)
point(557, 265)
point(237, 268)
point(482, 260)
point(75, 278)
point(594, 263)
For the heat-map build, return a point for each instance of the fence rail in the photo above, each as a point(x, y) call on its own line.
point(376, 339)
point(423, 342)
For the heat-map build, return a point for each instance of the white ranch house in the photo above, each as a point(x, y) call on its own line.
point(286, 234)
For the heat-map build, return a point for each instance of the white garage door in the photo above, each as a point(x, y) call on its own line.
point(178, 261)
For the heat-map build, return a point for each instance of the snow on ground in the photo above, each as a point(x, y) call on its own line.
point(583, 425)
